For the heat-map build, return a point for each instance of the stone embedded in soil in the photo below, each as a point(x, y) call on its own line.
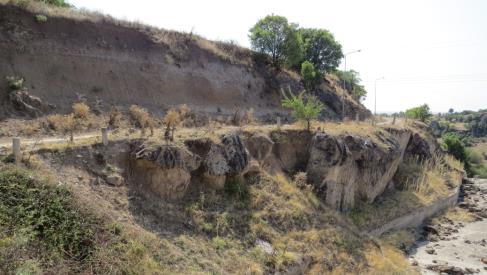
point(114, 180)
point(430, 251)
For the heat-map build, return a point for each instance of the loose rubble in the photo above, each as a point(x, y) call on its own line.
point(455, 247)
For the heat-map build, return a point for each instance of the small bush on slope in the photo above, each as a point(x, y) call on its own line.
point(33, 214)
point(81, 110)
point(44, 230)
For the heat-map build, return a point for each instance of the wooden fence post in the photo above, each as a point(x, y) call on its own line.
point(16, 149)
point(104, 136)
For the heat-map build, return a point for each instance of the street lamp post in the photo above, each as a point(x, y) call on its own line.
point(344, 84)
point(375, 94)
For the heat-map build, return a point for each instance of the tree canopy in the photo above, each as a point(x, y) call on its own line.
point(274, 36)
point(289, 45)
point(321, 49)
point(421, 113)
point(351, 81)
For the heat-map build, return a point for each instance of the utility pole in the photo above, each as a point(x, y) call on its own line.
point(344, 82)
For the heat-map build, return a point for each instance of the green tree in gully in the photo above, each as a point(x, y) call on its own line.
point(421, 113)
point(274, 36)
point(303, 107)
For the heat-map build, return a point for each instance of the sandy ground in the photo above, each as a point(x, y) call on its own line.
point(459, 247)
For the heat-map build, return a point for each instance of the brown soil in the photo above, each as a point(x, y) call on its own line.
point(121, 65)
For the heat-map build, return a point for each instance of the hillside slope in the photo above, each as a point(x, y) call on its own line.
point(77, 53)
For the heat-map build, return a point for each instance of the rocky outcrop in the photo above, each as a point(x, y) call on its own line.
point(259, 146)
point(21, 103)
point(344, 169)
point(419, 147)
point(291, 149)
point(167, 170)
point(220, 160)
point(164, 170)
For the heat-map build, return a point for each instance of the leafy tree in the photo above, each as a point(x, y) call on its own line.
point(351, 81)
point(274, 36)
point(321, 49)
point(451, 111)
point(304, 108)
point(310, 76)
point(421, 113)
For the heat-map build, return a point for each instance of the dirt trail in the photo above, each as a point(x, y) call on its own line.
point(457, 247)
point(6, 143)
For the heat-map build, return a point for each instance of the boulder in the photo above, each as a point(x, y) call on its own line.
point(164, 171)
point(418, 146)
point(114, 180)
point(346, 168)
point(27, 104)
point(220, 161)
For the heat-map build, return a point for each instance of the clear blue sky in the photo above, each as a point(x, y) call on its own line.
point(429, 51)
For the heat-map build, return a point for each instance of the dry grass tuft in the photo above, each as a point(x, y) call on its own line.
point(115, 117)
point(172, 118)
point(81, 110)
point(61, 123)
point(140, 116)
point(387, 260)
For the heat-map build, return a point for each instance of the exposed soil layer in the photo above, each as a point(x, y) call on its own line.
point(64, 58)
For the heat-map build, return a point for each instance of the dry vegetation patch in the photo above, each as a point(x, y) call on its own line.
point(419, 184)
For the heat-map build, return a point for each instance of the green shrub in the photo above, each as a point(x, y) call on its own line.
point(236, 187)
point(44, 214)
point(475, 157)
point(8, 158)
point(15, 83)
point(421, 113)
point(310, 76)
point(454, 146)
point(303, 108)
point(41, 18)
point(479, 171)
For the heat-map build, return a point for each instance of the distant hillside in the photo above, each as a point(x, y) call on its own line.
point(464, 124)
point(75, 53)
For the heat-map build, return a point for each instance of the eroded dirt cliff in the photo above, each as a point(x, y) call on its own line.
point(119, 63)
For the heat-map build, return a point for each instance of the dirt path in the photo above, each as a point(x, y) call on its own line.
point(6, 143)
point(455, 247)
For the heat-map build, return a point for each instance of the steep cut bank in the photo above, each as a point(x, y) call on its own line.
point(239, 199)
point(75, 54)
point(343, 167)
